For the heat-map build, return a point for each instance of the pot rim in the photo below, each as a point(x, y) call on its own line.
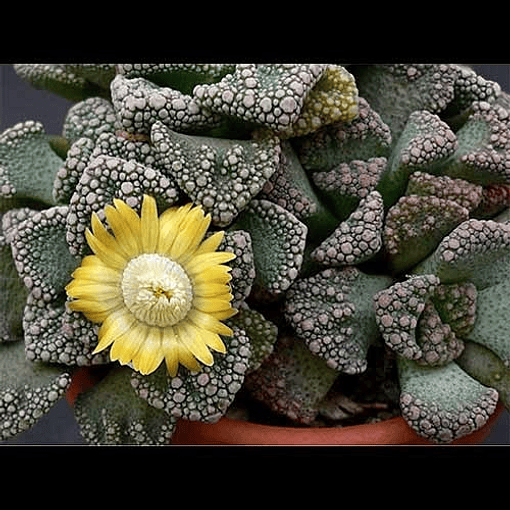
point(394, 431)
point(228, 431)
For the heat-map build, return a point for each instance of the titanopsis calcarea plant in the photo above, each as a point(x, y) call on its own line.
point(320, 243)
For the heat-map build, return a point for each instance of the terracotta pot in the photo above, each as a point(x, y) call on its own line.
point(235, 432)
point(390, 432)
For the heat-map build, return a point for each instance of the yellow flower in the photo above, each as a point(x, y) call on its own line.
point(159, 289)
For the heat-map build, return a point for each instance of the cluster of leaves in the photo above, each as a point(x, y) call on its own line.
point(367, 207)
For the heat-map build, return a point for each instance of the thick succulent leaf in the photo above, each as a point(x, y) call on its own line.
point(272, 95)
point(243, 266)
point(425, 143)
point(12, 289)
point(333, 313)
point(456, 304)
point(333, 99)
point(485, 366)
point(139, 103)
point(28, 164)
point(358, 238)
point(477, 251)
point(55, 335)
point(292, 381)
point(89, 118)
point(443, 403)
point(203, 396)
point(27, 390)
point(422, 320)
point(397, 312)
point(438, 342)
point(69, 173)
point(483, 152)
point(470, 87)
point(221, 175)
point(495, 200)
point(99, 74)
point(492, 324)
point(112, 413)
point(261, 332)
point(124, 145)
point(278, 243)
point(395, 91)
point(183, 77)
point(118, 144)
point(465, 193)
point(365, 137)
point(59, 80)
point(290, 188)
point(346, 184)
point(106, 178)
point(41, 253)
point(416, 225)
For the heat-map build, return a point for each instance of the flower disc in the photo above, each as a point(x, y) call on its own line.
point(156, 290)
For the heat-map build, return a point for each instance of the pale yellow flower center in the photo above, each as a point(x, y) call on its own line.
point(156, 290)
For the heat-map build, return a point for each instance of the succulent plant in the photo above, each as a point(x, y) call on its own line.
point(320, 241)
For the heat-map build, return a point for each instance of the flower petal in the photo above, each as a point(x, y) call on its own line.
point(189, 335)
point(176, 352)
point(214, 274)
point(224, 314)
point(211, 243)
point(114, 326)
point(203, 262)
point(208, 322)
point(150, 355)
point(93, 270)
point(187, 359)
point(129, 215)
point(108, 255)
point(170, 349)
point(213, 341)
point(149, 225)
point(207, 290)
point(124, 230)
point(126, 346)
point(190, 233)
point(94, 310)
point(101, 234)
point(170, 224)
point(213, 304)
point(90, 290)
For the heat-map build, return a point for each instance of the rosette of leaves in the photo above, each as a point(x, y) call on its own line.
point(367, 209)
